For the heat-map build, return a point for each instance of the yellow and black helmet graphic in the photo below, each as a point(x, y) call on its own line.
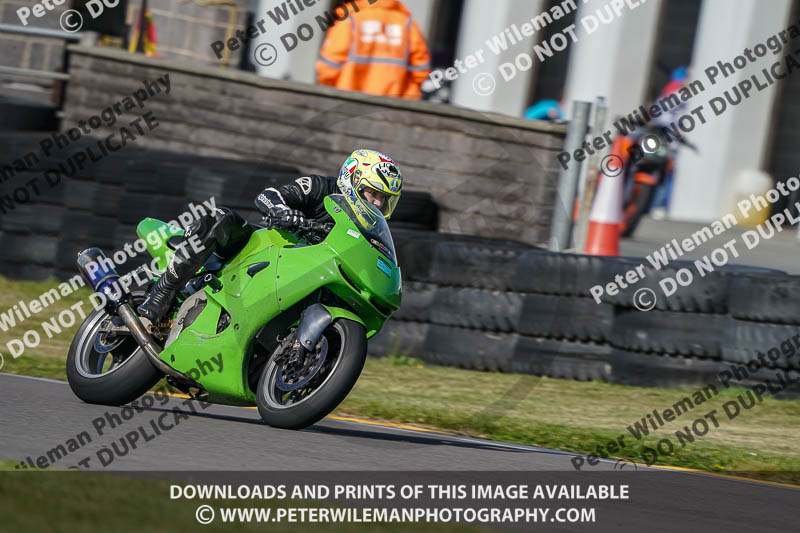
point(369, 178)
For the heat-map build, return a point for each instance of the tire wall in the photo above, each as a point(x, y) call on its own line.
point(492, 305)
point(101, 204)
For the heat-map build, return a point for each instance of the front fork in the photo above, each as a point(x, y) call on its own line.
point(313, 322)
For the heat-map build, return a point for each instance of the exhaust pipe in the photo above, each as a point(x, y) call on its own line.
point(99, 272)
point(150, 349)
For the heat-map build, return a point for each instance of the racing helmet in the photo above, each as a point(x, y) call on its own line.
point(368, 171)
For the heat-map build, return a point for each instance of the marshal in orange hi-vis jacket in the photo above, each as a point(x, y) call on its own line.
point(378, 49)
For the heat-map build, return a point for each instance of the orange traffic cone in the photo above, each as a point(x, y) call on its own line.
point(605, 218)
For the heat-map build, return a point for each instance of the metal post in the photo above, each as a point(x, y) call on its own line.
point(40, 32)
point(89, 38)
point(589, 178)
point(561, 230)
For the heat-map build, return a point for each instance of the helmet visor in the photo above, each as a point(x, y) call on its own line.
point(378, 199)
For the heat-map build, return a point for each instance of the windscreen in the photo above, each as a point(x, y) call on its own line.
point(372, 226)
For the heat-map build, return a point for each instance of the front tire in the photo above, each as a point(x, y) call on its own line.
point(347, 352)
point(95, 379)
point(635, 207)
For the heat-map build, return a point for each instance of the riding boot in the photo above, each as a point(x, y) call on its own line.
point(180, 271)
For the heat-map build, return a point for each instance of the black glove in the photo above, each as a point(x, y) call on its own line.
point(288, 218)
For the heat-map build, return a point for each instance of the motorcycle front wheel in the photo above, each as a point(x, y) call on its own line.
point(636, 205)
point(294, 395)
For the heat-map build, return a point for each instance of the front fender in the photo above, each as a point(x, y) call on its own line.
point(338, 312)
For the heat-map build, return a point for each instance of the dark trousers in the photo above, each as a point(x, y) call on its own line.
point(224, 232)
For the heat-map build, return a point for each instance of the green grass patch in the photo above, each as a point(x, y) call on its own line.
point(568, 415)
point(579, 416)
point(42, 366)
point(79, 501)
point(55, 301)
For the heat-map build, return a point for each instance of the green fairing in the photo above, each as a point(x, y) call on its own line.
point(293, 274)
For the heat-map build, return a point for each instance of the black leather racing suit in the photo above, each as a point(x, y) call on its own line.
point(226, 232)
point(306, 194)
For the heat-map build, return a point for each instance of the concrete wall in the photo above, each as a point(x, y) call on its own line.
point(491, 175)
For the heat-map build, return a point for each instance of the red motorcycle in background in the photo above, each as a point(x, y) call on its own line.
point(647, 163)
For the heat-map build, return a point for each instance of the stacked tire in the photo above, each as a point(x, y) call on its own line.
point(497, 305)
point(101, 203)
point(488, 304)
point(29, 224)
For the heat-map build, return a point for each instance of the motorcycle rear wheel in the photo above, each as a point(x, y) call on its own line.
point(116, 377)
point(347, 352)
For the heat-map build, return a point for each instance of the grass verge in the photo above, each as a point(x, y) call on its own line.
point(80, 501)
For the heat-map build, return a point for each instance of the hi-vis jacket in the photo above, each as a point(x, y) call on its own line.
point(378, 49)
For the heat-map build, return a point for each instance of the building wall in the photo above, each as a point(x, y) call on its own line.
point(628, 61)
point(551, 76)
point(481, 21)
point(186, 28)
point(616, 60)
point(298, 64)
point(424, 12)
point(677, 33)
point(784, 158)
point(39, 53)
point(758, 135)
point(737, 141)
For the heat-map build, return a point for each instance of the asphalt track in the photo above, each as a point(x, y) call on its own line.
point(37, 415)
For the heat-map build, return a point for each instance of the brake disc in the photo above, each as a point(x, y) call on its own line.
point(320, 353)
point(101, 346)
point(108, 330)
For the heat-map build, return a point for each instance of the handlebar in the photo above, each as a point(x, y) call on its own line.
point(689, 144)
point(314, 231)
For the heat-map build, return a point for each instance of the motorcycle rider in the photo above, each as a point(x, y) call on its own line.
point(679, 79)
point(366, 177)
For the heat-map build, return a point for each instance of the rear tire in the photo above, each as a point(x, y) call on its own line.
point(348, 344)
point(117, 386)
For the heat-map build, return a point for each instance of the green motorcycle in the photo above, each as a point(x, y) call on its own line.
point(282, 325)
